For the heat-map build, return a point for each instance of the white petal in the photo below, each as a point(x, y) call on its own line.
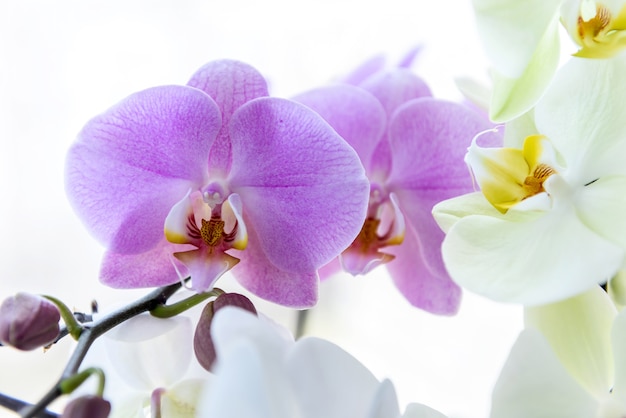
point(181, 400)
point(534, 384)
point(531, 261)
point(511, 30)
point(602, 205)
point(618, 335)
point(138, 346)
point(416, 410)
point(385, 402)
point(514, 96)
point(579, 331)
point(231, 325)
point(246, 385)
point(328, 381)
point(519, 128)
point(582, 113)
point(450, 211)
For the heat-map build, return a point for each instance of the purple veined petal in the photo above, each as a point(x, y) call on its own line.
point(365, 70)
point(256, 273)
point(151, 268)
point(205, 267)
point(429, 139)
point(354, 113)
point(420, 285)
point(395, 87)
point(302, 186)
point(131, 164)
point(231, 84)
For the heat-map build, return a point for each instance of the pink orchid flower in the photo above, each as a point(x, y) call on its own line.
point(215, 176)
point(412, 147)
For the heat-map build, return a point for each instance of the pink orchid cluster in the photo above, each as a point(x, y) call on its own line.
point(215, 176)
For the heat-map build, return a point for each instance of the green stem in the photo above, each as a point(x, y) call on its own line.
point(70, 384)
point(168, 311)
point(90, 334)
point(74, 327)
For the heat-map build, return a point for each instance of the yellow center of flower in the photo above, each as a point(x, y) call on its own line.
point(368, 235)
point(603, 35)
point(533, 184)
point(507, 176)
point(212, 231)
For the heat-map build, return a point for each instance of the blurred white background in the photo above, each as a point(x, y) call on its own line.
point(62, 62)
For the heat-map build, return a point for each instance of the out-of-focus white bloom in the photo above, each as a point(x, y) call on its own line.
point(150, 368)
point(262, 373)
point(569, 362)
point(521, 39)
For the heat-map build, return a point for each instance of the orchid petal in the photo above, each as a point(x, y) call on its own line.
point(319, 370)
point(529, 257)
point(421, 129)
point(232, 324)
point(582, 114)
point(428, 164)
point(231, 84)
point(450, 211)
point(513, 97)
point(232, 213)
point(534, 384)
point(579, 332)
point(148, 269)
point(181, 399)
point(358, 262)
point(601, 206)
point(176, 230)
point(421, 286)
point(206, 267)
point(120, 174)
point(139, 345)
point(416, 410)
point(395, 87)
point(330, 269)
point(385, 402)
point(257, 273)
point(365, 70)
point(244, 385)
point(618, 337)
point(286, 160)
point(354, 113)
point(511, 31)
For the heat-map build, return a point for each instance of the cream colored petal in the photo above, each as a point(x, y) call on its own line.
point(534, 384)
point(511, 30)
point(514, 96)
point(578, 330)
point(539, 260)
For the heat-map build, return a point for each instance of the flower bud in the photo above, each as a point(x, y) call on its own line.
point(89, 406)
point(28, 321)
point(202, 342)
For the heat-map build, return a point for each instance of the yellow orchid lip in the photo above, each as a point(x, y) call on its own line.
point(507, 176)
point(602, 35)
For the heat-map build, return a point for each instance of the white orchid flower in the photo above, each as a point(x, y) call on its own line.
point(549, 221)
point(570, 362)
point(521, 39)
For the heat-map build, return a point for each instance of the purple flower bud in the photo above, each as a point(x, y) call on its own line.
point(202, 342)
point(28, 321)
point(89, 406)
